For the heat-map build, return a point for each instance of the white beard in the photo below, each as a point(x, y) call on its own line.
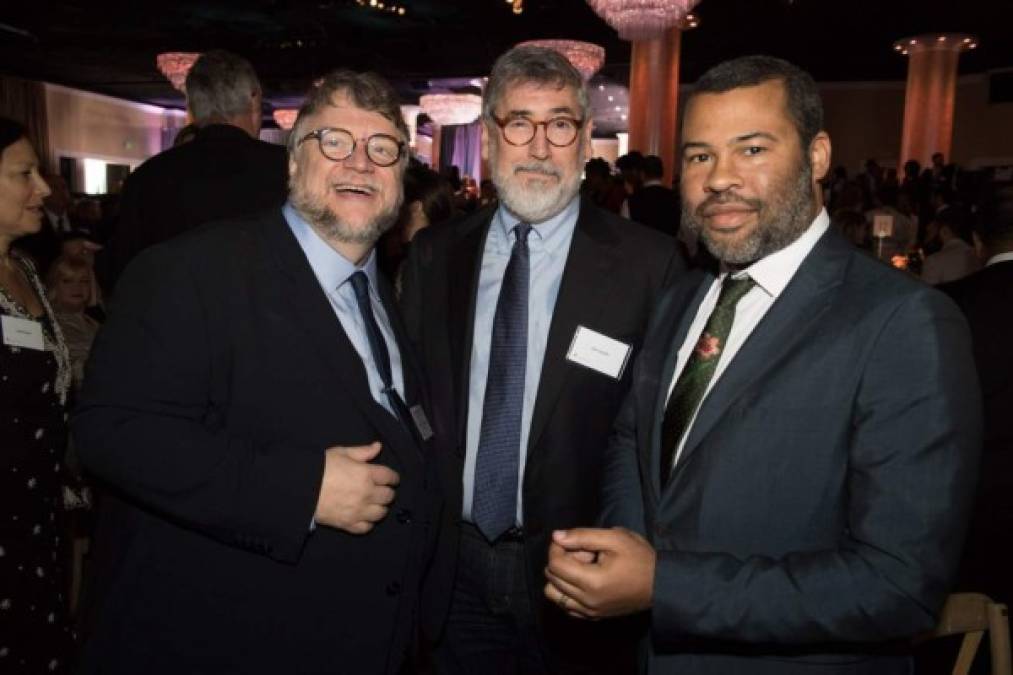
point(533, 204)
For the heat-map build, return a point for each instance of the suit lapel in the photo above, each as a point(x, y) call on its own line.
point(682, 308)
point(786, 324)
point(586, 284)
point(312, 312)
point(414, 392)
point(464, 266)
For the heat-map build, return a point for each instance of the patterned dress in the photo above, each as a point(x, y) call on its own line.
point(34, 627)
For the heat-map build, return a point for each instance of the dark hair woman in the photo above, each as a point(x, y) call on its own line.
point(34, 381)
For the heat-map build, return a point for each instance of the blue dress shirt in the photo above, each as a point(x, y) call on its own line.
point(549, 244)
point(332, 270)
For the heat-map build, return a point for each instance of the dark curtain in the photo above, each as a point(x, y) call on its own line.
point(25, 102)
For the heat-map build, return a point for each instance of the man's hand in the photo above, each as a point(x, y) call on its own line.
point(354, 494)
point(618, 580)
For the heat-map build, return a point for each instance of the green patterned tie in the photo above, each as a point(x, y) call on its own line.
point(692, 383)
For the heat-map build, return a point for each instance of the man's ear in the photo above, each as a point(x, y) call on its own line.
point(819, 155)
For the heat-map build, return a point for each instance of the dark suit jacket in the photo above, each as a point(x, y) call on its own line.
point(986, 298)
point(212, 392)
point(818, 509)
point(657, 207)
point(221, 174)
point(614, 271)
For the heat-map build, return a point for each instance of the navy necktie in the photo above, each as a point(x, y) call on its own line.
point(378, 347)
point(494, 507)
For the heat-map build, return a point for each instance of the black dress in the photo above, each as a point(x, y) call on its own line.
point(34, 627)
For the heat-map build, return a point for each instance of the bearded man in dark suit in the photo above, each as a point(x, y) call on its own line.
point(525, 315)
point(791, 475)
point(255, 410)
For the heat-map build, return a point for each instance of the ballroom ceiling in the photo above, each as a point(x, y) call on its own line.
point(110, 47)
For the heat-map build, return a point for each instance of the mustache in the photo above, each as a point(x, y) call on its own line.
point(726, 198)
point(538, 167)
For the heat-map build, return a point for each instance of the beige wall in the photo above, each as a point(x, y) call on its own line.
point(865, 120)
point(982, 133)
point(83, 124)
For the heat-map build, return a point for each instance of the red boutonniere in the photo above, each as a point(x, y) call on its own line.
point(707, 347)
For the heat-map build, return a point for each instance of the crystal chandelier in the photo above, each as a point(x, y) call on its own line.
point(586, 57)
point(447, 109)
point(175, 66)
point(285, 117)
point(642, 19)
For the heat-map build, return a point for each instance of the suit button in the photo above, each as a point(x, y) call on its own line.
point(404, 516)
point(393, 588)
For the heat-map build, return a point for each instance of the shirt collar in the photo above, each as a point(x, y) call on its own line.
point(773, 272)
point(1000, 258)
point(547, 230)
point(330, 267)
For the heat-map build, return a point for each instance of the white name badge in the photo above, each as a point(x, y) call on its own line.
point(599, 352)
point(22, 333)
point(421, 422)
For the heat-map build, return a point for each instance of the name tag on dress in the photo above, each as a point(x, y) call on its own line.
point(598, 352)
point(22, 333)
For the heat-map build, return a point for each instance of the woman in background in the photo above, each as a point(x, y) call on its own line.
point(35, 379)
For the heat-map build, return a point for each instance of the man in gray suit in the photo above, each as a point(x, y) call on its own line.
point(790, 478)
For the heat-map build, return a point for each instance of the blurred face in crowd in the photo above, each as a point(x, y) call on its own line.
point(22, 191)
point(71, 289)
point(350, 202)
point(537, 180)
point(748, 187)
point(59, 199)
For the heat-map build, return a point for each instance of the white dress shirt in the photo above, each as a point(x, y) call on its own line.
point(333, 271)
point(772, 275)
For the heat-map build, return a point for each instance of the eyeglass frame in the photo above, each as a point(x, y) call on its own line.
point(544, 123)
point(319, 135)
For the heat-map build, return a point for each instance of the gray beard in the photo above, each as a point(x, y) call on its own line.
point(782, 219)
point(331, 227)
point(533, 205)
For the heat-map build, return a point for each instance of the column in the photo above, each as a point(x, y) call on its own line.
point(654, 97)
point(931, 91)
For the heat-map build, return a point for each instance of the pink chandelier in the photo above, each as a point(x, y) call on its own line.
point(586, 57)
point(175, 66)
point(447, 109)
point(642, 19)
point(285, 117)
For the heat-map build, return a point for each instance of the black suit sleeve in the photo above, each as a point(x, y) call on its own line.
point(912, 461)
point(153, 422)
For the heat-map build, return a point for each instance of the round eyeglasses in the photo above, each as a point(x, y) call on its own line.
point(559, 131)
point(339, 144)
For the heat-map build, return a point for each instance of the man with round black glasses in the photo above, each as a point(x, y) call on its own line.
point(525, 315)
point(253, 401)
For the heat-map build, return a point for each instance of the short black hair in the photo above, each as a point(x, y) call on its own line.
point(802, 98)
point(11, 132)
point(631, 161)
point(653, 167)
point(596, 166)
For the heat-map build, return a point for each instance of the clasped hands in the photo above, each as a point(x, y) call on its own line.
point(597, 573)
